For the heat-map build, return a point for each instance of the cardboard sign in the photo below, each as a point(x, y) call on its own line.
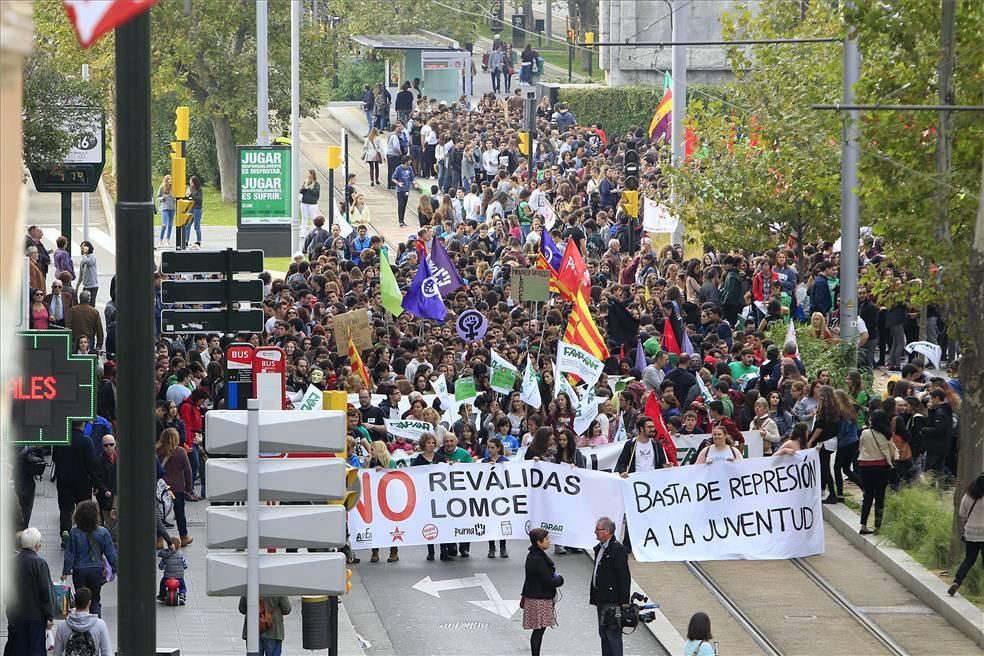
point(530, 284)
point(356, 324)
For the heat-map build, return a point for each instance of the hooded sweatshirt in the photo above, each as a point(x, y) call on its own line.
point(83, 622)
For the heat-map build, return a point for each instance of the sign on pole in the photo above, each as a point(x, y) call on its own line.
point(264, 186)
point(54, 388)
point(239, 376)
point(356, 323)
point(84, 162)
point(270, 377)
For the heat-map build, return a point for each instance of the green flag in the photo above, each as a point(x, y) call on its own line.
point(392, 298)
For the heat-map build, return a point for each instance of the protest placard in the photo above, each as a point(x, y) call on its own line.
point(530, 284)
point(572, 359)
point(410, 429)
point(355, 323)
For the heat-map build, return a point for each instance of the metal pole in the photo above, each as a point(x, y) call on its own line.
point(345, 168)
point(66, 218)
point(548, 20)
point(262, 72)
point(252, 527)
point(333, 626)
point(570, 64)
point(849, 196)
point(85, 194)
point(135, 340)
point(295, 120)
point(679, 108)
point(331, 197)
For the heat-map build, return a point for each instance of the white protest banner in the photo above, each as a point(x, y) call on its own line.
point(410, 429)
point(438, 503)
point(529, 392)
point(657, 218)
point(503, 374)
point(756, 509)
point(586, 410)
point(311, 399)
point(440, 387)
point(575, 360)
point(562, 385)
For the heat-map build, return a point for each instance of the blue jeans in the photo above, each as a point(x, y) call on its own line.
point(369, 119)
point(196, 465)
point(92, 578)
point(611, 636)
point(167, 222)
point(196, 221)
point(526, 73)
point(270, 647)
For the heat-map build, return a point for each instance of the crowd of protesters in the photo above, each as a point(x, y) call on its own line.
point(666, 320)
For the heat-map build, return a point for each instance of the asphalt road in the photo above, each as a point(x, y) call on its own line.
point(472, 606)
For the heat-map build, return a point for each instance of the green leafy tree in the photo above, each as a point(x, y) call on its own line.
point(452, 18)
point(767, 169)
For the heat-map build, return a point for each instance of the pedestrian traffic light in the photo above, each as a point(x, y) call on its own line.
point(348, 580)
point(177, 149)
point(631, 170)
point(353, 487)
point(630, 201)
point(181, 120)
point(178, 169)
point(183, 214)
point(524, 142)
point(334, 161)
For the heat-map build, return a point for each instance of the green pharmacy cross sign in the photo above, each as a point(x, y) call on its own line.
point(53, 389)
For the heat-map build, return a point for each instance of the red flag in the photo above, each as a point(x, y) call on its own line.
point(573, 273)
point(654, 412)
point(670, 344)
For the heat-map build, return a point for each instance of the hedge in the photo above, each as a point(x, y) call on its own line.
point(620, 108)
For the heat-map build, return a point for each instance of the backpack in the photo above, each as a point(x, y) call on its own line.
point(165, 498)
point(81, 643)
point(266, 617)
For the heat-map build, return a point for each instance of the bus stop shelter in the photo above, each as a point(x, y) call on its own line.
point(444, 68)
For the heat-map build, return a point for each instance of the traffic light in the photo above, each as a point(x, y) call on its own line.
point(334, 400)
point(348, 580)
point(334, 161)
point(524, 142)
point(630, 201)
point(181, 119)
point(570, 36)
point(353, 487)
point(589, 40)
point(178, 179)
point(183, 214)
point(631, 170)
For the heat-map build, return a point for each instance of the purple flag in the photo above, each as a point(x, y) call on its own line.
point(640, 362)
point(423, 299)
point(551, 253)
point(442, 268)
point(687, 347)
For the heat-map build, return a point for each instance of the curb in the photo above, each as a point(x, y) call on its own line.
point(348, 639)
point(108, 208)
point(665, 633)
point(927, 587)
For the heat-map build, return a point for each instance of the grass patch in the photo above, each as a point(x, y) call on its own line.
point(280, 264)
point(215, 211)
point(918, 519)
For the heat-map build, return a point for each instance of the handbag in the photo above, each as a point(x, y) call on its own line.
point(963, 529)
point(107, 569)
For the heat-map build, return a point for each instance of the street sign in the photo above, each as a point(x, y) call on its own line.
point(280, 526)
point(206, 291)
point(270, 377)
point(288, 479)
point(212, 321)
point(239, 376)
point(265, 191)
point(84, 162)
point(211, 261)
point(54, 388)
point(93, 19)
point(280, 574)
point(314, 431)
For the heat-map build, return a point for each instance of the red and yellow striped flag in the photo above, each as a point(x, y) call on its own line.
point(358, 368)
point(582, 330)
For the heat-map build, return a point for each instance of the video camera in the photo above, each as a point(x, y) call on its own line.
point(629, 615)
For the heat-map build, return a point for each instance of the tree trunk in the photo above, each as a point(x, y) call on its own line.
point(970, 461)
point(529, 18)
point(225, 150)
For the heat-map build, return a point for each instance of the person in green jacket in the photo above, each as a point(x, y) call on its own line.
point(731, 295)
point(271, 640)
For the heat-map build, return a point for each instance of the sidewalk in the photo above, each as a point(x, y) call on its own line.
point(209, 626)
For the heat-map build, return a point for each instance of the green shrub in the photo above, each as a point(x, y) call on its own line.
point(918, 519)
point(817, 354)
point(352, 74)
point(200, 148)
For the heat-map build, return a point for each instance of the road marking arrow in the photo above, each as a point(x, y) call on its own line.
point(494, 603)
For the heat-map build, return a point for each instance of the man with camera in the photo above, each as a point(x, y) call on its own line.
point(610, 584)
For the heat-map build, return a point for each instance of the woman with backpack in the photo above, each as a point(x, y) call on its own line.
point(177, 473)
point(272, 611)
point(90, 556)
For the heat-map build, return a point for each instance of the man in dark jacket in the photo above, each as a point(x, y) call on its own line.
point(682, 378)
point(404, 103)
point(610, 585)
point(31, 603)
point(73, 471)
point(731, 296)
point(821, 296)
point(644, 453)
point(937, 435)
